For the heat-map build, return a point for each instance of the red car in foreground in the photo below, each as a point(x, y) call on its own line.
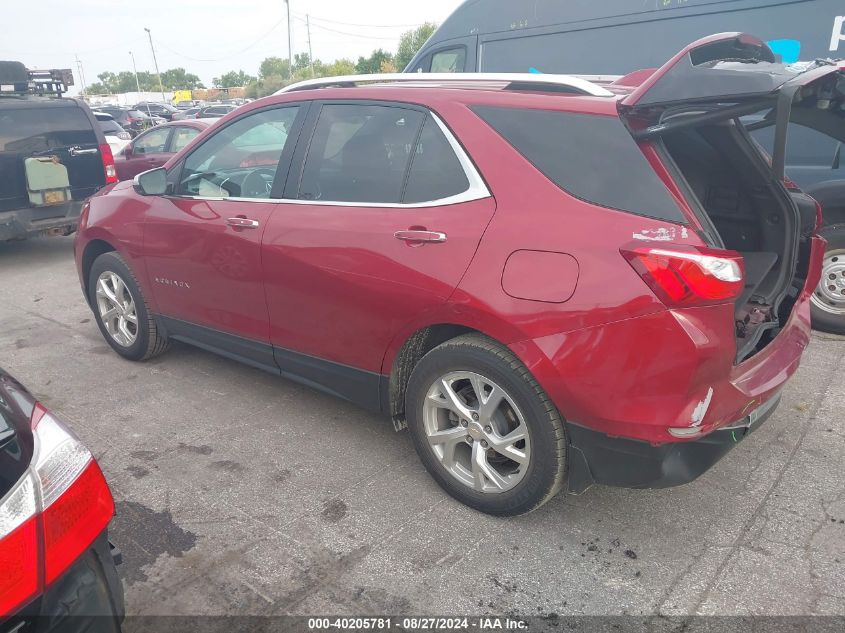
point(552, 281)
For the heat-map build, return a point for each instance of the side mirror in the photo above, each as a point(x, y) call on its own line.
point(152, 182)
point(127, 151)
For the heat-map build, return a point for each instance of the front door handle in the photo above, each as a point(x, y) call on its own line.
point(242, 223)
point(418, 235)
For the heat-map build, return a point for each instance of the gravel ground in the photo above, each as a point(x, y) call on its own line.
point(241, 493)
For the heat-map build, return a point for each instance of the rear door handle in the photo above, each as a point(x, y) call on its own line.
point(242, 223)
point(416, 235)
point(78, 151)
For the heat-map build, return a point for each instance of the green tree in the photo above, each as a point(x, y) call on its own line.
point(410, 42)
point(233, 78)
point(372, 64)
point(178, 79)
point(274, 66)
point(339, 67)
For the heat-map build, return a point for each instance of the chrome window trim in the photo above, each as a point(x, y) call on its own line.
point(477, 189)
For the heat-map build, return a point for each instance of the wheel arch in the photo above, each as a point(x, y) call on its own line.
point(92, 251)
point(408, 347)
point(831, 195)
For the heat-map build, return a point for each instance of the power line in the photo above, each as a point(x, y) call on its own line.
point(361, 35)
point(227, 55)
point(368, 26)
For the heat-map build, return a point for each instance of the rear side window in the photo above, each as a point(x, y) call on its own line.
point(436, 173)
point(591, 157)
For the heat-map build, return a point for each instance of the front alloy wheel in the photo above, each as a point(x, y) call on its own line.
point(477, 432)
point(117, 309)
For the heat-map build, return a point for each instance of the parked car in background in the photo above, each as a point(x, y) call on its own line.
point(116, 136)
point(151, 108)
point(53, 155)
point(55, 508)
point(439, 248)
point(154, 147)
point(215, 111)
point(132, 120)
point(586, 37)
point(189, 113)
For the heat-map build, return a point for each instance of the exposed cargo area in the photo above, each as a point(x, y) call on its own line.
point(745, 209)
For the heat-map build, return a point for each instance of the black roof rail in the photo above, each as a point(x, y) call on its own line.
point(17, 80)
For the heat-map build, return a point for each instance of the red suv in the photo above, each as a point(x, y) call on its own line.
point(550, 280)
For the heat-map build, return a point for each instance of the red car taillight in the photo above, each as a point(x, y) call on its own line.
point(687, 275)
point(108, 163)
point(52, 515)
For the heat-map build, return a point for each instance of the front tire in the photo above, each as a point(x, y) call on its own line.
point(484, 428)
point(827, 306)
point(120, 311)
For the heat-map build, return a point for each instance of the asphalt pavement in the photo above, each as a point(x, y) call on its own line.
point(242, 493)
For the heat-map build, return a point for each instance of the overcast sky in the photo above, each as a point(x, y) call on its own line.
point(206, 37)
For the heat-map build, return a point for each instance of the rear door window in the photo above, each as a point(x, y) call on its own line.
point(153, 142)
point(591, 157)
point(359, 153)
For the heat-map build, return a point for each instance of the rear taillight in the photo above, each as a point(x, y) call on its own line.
point(19, 580)
point(683, 275)
point(108, 163)
point(52, 515)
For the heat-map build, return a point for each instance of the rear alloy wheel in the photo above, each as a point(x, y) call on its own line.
point(828, 300)
point(120, 310)
point(477, 432)
point(484, 428)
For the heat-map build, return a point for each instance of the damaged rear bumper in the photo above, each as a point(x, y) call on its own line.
point(60, 219)
point(596, 458)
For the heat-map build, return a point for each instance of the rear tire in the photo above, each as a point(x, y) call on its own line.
point(827, 307)
point(120, 310)
point(467, 443)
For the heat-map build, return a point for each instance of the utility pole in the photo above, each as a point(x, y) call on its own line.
point(155, 61)
point(290, 46)
point(310, 53)
point(135, 68)
point(81, 73)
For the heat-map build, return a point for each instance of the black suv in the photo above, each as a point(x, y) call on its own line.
point(151, 108)
point(53, 154)
point(130, 119)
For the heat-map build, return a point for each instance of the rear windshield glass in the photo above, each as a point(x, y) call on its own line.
point(110, 126)
point(19, 128)
point(592, 157)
